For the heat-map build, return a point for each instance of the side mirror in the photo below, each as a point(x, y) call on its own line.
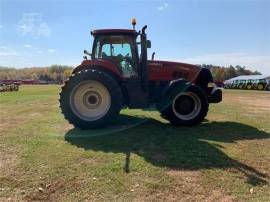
point(148, 44)
point(87, 53)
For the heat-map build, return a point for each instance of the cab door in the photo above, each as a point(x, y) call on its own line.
point(123, 51)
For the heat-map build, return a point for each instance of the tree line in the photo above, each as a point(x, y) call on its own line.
point(53, 73)
point(221, 74)
point(59, 73)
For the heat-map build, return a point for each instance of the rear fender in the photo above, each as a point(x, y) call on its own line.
point(100, 68)
point(103, 64)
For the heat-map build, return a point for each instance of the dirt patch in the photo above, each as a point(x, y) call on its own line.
point(184, 186)
point(263, 102)
point(8, 121)
point(217, 195)
point(189, 187)
point(7, 160)
point(89, 161)
point(7, 124)
point(45, 192)
point(52, 191)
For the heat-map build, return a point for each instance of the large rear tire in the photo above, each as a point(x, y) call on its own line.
point(90, 99)
point(186, 108)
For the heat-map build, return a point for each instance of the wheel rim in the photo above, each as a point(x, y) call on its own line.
point(260, 86)
point(90, 100)
point(186, 105)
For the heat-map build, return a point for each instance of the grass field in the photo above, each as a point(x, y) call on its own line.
point(140, 158)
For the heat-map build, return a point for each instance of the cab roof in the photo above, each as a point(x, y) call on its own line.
point(114, 31)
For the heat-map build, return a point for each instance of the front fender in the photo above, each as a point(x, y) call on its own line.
point(174, 87)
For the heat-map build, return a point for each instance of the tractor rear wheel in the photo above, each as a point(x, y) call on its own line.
point(187, 108)
point(90, 99)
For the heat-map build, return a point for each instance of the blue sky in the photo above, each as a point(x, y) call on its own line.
point(40, 33)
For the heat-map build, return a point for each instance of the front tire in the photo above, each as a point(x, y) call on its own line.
point(186, 108)
point(90, 99)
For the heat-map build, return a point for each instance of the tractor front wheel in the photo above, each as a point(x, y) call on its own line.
point(90, 99)
point(187, 108)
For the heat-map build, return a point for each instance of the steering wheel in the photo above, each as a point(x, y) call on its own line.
point(128, 60)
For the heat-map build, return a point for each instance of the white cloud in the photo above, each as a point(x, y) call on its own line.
point(4, 51)
point(162, 7)
point(27, 46)
point(252, 62)
point(32, 24)
point(44, 30)
point(1, 26)
point(39, 51)
point(51, 50)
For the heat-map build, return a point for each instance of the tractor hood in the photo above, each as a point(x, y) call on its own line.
point(167, 71)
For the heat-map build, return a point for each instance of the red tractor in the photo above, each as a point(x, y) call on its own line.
point(119, 75)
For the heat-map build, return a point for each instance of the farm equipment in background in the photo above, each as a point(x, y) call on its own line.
point(260, 84)
point(119, 74)
point(6, 86)
point(241, 84)
point(257, 82)
point(235, 84)
point(249, 84)
point(228, 85)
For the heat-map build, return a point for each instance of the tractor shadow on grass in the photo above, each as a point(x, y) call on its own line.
point(178, 148)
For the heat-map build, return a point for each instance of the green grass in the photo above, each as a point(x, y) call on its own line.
point(141, 157)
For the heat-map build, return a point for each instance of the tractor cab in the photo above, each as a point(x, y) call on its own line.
point(120, 48)
point(126, 49)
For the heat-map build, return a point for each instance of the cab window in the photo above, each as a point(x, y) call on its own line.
point(119, 50)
